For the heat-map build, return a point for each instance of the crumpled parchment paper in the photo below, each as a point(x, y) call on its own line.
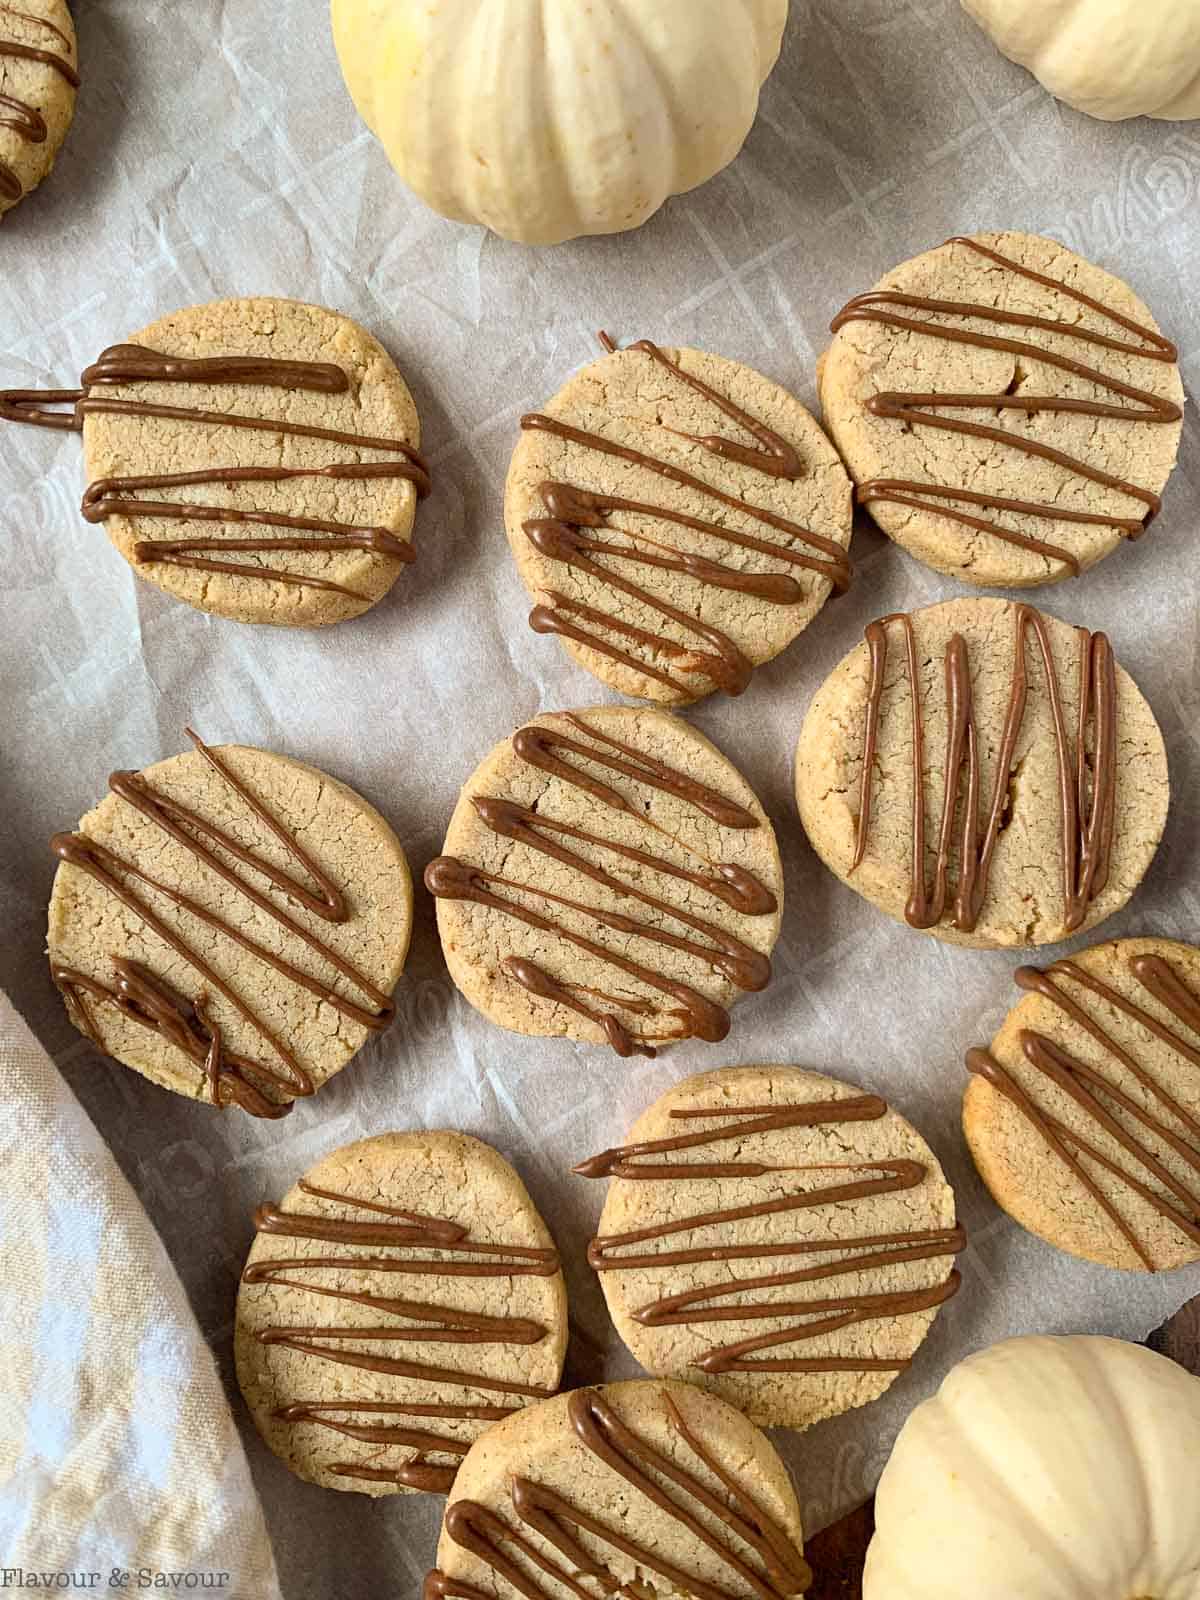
point(215, 153)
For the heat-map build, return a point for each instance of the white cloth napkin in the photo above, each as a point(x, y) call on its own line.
point(118, 1453)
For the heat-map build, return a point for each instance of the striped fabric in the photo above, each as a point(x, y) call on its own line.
point(118, 1452)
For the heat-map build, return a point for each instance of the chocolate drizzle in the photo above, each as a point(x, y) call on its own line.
point(760, 1557)
point(547, 748)
point(1086, 800)
point(25, 120)
point(1119, 1116)
point(142, 998)
point(450, 1252)
point(576, 517)
point(805, 1319)
point(127, 496)
point(923, 410)
point(146, 999)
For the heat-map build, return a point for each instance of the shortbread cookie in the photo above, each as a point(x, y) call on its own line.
point(231, 924)
point(608, 876)
point(404, 1296)
point(39, 75)
point(256, 458)
point(1008, 411)
point(678, 520)
point(638, 1489)
point(1043, 779)
point(1083, 1116)
point(777, 1236)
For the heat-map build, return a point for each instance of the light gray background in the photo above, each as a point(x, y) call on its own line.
point(215, 153)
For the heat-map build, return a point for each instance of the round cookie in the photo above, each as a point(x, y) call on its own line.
point(678, 520)
point(231, 924)
point(1083, 1115)
point(640, 1488)
point(726, 1245)
point(608, 877)
point(365, 1367)
point(39, 77)
point(255, 458)
point(364, 507)
point(1039, 861)
point(971, 395)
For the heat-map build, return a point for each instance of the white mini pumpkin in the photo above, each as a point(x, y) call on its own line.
point(546, 119)
point(1045, 1469)
point(1110, 58)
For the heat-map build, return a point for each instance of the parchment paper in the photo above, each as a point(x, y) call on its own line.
point(215, 153)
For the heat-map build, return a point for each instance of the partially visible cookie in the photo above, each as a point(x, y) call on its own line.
point(1008, 411)
point(404, 1296)
point(255, 458)
point(1083, 1115)
point(609, 877)
point(678, 520)
point(638, 1489)
point(778, 1237)
point(231, 924)
point(39, 75)
point(1043, 784)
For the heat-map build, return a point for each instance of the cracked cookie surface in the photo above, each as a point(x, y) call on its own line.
point(608, 876)
point(1054, 842)
point(231, 924)
point(316, 528)
point(39, 78)
point(1008, 411)
point(1083, 1114)
point(402, 1297)
point(649, 1489)
point(778, 1237)
point(678, 519)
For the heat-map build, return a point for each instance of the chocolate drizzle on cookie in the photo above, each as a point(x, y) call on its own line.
point(578, 532)
point(149, 1001)
point(416, 1246)
point(913, 410)
point(758, 1554)
point(853, 1253)
point(548, 747)
point(1144, 1134)
point(25, 120)
point(133, 496)
point(1086, 788)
